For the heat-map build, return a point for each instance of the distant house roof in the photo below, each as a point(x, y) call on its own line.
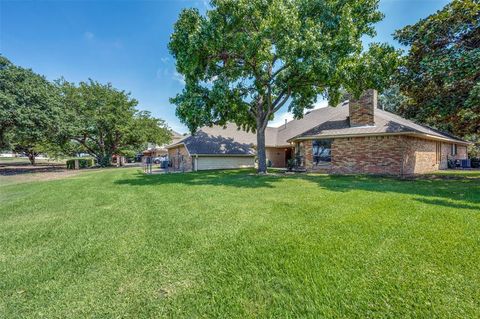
point(323, 122)
point(202, 143)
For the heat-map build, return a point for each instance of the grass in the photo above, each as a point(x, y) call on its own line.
point(457, 173)
point(230, 244)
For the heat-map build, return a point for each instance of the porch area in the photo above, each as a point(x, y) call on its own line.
point(313, 155)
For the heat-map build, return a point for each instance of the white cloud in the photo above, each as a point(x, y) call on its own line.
point(178, 77)
point(165, 59)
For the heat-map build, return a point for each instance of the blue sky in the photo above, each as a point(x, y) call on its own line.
point(125, 42)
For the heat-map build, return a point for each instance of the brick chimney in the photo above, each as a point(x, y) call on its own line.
point(361, 111)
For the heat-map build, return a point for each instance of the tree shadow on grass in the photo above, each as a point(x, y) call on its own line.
point(15, 168)
point(446, 203)
point(458, 193)
point(233, 178)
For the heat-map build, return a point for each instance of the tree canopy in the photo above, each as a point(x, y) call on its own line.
point(38, 116)
point(246, 59)
point(441, 74)
point(105, 122)
point(29, 110)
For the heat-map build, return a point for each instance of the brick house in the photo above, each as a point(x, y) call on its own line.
point(353, 137)
point(155, 150)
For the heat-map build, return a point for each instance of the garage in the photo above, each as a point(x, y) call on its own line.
point(201, 152)
point(223, 162)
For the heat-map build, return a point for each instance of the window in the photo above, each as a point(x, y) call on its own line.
point(453, 149)
point(321, 151)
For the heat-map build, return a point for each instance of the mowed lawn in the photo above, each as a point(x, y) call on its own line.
point(231, 244)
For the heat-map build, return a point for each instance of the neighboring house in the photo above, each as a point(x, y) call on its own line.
point(8, 154)
point(354, 137)
point(160, 150)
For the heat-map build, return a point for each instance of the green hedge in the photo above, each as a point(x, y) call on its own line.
point(82, 163)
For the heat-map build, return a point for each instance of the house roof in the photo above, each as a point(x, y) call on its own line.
point(337, 124)
point(203, 143)
point(323, 122)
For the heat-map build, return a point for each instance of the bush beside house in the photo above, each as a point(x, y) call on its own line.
point(82, 163)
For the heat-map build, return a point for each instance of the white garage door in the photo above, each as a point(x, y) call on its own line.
point(205, 163)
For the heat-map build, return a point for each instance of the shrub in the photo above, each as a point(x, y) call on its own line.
point(475, 162)
point(291, 163)
point(82, 163)
point(269, 162)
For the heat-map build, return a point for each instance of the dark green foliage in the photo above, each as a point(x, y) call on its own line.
point(441, 73)
point(475, 162)
point(37, 116)
point(82, 163)
point(291, 162)
point(245, 59)
point(392, 99)
point(104, 122)
point(30, 114)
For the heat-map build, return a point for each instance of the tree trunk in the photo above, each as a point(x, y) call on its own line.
point(31, 158)
point(261, 154)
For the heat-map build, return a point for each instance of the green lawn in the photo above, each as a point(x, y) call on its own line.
point(117, 243)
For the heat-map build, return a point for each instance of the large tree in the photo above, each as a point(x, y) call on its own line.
point(104, 121)
point(441, 75)
point(246, 59)
point(29, 110)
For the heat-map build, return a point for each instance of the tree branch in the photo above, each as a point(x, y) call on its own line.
point(83, 142)
point(279, 105)
point(283, 67)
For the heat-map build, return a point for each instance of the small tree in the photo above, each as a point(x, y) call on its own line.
point(246, 59)
point(104, 120)
point(29, 110)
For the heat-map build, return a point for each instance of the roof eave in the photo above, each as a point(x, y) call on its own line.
point(219, 155)
point(416, 134)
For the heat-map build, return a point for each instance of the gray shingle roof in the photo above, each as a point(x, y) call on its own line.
point(204, 143)
point(385, 122)
point(327, 121)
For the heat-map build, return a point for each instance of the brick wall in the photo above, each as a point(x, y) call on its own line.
point(308, 154)
point(446, 154)
point(371, 155)
point(390, 155)
point(426, 157)
point(277, 156)
point(361, 111)
point(462, 152)
point(421, 156)
point(179, 159)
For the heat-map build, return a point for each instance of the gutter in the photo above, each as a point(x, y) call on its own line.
point(414, 134)
point(223, 155)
